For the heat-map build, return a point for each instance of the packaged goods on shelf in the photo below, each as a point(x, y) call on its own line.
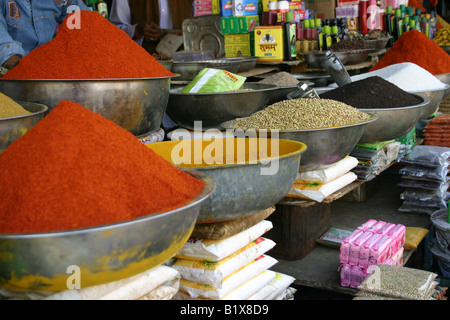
point(425, 179)
point(245, 8)
point(269, 43)
point(324, 180)
point(372, 243)
point(373, 158)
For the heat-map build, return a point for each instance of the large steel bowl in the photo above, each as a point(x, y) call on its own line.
point(247, 63)
point(13, 128)
point(188, 70)
point(214, 108)
point(445, 78)
point(43, 261)
point(325, 146)
point(242, 187)
point(356, 56)
point(393, 123)
point(435, 98)
point(137, 105)
point(315, 59)
point(229, 64)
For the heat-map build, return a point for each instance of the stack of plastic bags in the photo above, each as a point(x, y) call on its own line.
point(233, 268)
point(322, 181)
point(437, 131)
point(159, 283)
point(440, 244)
point(373, 158)
point(399, 283)
point(372, 243)
point(425, 179)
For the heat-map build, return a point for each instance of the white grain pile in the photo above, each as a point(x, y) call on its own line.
point(407, 76)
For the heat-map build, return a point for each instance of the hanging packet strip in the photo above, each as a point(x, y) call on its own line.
point(211, 80)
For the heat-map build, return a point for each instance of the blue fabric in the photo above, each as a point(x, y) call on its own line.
point(28, 24)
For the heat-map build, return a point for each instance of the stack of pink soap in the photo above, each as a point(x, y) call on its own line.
point(372, 243)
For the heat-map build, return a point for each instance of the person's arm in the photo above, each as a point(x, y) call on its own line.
point(120, 16)
point(10, 51)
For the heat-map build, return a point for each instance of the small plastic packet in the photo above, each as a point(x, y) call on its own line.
point(365, 250)
point(377, 227)
point(211, 80)
point(380, 251)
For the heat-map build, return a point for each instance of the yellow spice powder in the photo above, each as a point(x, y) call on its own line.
point(10, 108)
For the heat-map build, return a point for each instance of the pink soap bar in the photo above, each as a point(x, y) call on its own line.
point(366, 225)
point(399, 235)
point(356, 246)
point(345, 245)
point(346, 275)
point(380, 251)
point(377, 227)
point(364, 252)
point(387, 228)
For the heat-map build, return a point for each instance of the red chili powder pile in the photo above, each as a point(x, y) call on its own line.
point(414, 46)
point(97, 50)
point(77, 169)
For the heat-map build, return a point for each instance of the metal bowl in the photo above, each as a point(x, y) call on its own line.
point(229, 64)
point(13, 128)
point(242, 187)
point(41, 261)
point(377, 44)
point(188, 69)
point(356, 56)
point(167, 64)
point(393, 123)
point(325, 146)
point(137, 105)
point(445, 78)
point(247, 63)
point(214, 108)
point(315, 59)
point(435, 98)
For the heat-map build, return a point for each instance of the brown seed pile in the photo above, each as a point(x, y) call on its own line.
point(302, 114)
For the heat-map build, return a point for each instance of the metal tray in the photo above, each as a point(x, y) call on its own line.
point(204, 33)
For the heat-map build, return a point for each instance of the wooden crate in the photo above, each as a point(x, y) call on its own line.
point(296, 226)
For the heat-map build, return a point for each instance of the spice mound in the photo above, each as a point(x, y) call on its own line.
point(77, 169)
point(96, 50)
point(302, 114)
point(372, 93)
point(9, 108)
point(414, 46)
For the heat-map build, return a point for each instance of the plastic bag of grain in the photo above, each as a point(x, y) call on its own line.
point(215, 250)
point(233, 281)
point(131, 288)
point(274, 288)
point(327, 173)
point(213, 273)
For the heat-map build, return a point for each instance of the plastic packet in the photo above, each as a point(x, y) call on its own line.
point(365, 249)
point(406, 208)
point(435, 198)
point(380, 251)
point(344, 251)
point(437, 173)
point(328, 173)
point(409, 182)
point(431, 156)
point(274, 287)
point(214, 273)
point(211, 80)
point(318, 192)
point(215, 250)
point(413, 237)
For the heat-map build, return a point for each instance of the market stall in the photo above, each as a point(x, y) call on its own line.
point(102, 202)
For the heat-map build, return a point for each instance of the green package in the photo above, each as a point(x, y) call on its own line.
point(211, 80)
